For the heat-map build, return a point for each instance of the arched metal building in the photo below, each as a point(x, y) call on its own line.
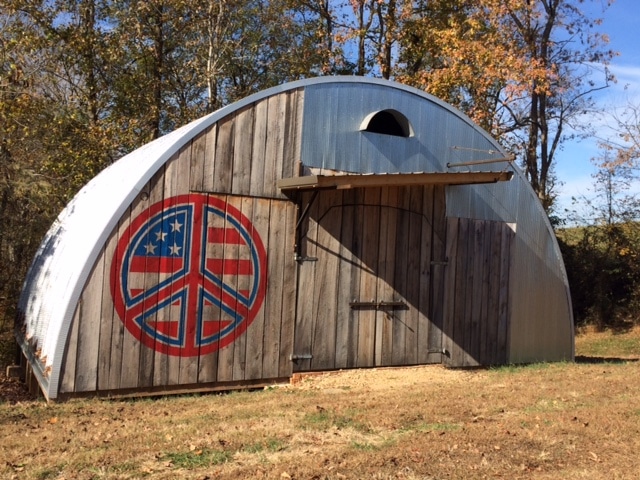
point(338, 222)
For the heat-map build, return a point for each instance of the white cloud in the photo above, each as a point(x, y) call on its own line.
point(627, 75)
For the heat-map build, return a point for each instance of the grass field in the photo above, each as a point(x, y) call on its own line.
point(548, 421)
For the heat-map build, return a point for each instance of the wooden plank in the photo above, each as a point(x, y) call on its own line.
point(292, 134)
point(223, 170)
point(198, 161)
point(242, 155)
point(209, 167)
point(460, 287)
point(131, 346)
point(108, 317)
point(68, 380)
point(413, 276)
point(88, 341)
point(466, 278)
point(368, 277)
point(289, 282)
point(489, 340)
point(226, 354)
point(356, 293)
point(159, 355)
point(117, 325)
point(293, 153)
point(185, 370)
point(263, 335)
point(450, 292)
point(166, 368)
point(439, 258)
point(485, 357)
point(208, 368)
point(146, 373)
point(346, 333)
point(245, 205)
point(475, 319)
point(507, 237)
point(274, 151)
point(494, 296)
point(388, 322)
point(326, 285)
point(259, 145)
point(423, 278)
point(208, 363)
point(306, 284)
point(402, 256)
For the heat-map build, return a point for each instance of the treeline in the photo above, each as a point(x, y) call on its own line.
point(602, 255)
point(603, 266)
point(83, 82)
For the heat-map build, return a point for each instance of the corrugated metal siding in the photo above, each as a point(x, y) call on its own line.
point(541, 326)
point(333, 114)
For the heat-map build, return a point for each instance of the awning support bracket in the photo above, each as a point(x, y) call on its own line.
point(301, 219)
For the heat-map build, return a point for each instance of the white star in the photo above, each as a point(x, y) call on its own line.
point(175, 249)
point(150, 248)
point(160, 236)
point(175, 226)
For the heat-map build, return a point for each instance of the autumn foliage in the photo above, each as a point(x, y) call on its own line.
point(83, 82)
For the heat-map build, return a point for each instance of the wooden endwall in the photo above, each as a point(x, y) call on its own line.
point(476, 297)
point(237, 160)
point(370, 245)
point(249, 151)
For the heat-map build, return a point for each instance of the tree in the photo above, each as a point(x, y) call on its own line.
point(559, 40)
point(27, 205)
point(522, 70)
point(601, 256)
point(624, 143)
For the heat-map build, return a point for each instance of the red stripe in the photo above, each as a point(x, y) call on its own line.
point(168, 328)
point(218, 266)
point(211, 327)
point(227, 236)
point(141, 264)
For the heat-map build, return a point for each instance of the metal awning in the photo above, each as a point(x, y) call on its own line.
point(317, 182)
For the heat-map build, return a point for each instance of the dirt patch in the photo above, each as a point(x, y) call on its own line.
point(12, 390)
point(545, 421)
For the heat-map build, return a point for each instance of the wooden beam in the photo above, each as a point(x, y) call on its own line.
point(313, 182)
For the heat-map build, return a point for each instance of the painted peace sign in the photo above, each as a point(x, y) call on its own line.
point(189, 275)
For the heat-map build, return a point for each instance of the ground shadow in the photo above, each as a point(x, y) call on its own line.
point(595, 360)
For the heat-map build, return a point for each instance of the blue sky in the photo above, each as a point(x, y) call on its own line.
point(574, 168)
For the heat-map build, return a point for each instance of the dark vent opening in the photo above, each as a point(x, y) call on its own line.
point(389, 122)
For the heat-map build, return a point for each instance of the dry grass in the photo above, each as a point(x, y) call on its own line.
point(546, 421)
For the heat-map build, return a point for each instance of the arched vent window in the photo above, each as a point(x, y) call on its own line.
point(387, 122)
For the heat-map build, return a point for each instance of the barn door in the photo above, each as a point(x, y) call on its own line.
point(366, 263)
point(476, 306)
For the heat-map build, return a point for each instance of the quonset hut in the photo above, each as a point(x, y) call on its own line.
point(330, 223)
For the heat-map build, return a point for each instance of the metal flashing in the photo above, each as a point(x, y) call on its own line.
point(348, 181)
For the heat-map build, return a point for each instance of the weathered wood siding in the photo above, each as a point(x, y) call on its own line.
point(476, 297)
point(359, 248)
point(235, 163)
